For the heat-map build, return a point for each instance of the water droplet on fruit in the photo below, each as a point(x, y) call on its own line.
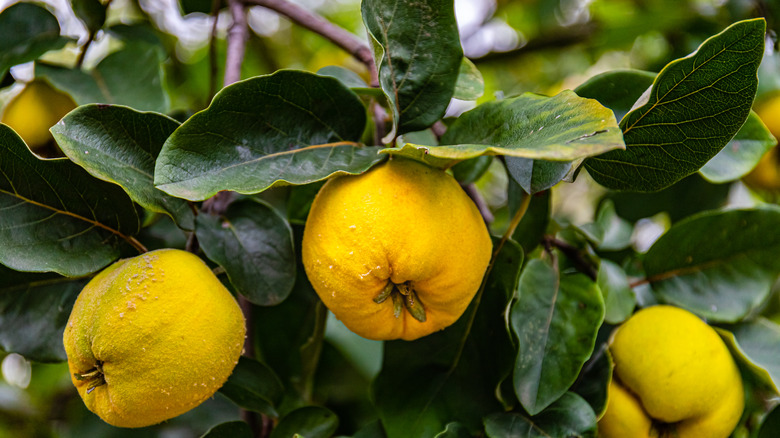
point(352, 227)
point(122, 315)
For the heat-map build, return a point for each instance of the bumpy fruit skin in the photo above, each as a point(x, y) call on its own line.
point(34, 110)
point(624, 416)
point(680, 371)
point(401, 222)
point(165, 332)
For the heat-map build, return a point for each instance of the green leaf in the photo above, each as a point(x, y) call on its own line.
point(594, 380)
point(298, 328)
point(470, 85)
point(131, 76)
point(308, 422)
point(254, 244)
point(617, 90)
point(56, 217)
point(757, 344)
point(564, 127)
point(469, 171)
point(419, 56)
point(230, 429)
point(27, 31)
point(609, 232)
point(34, 309)
point(536, 176)
point(254, 386)
point(120, 145)
point(290, 127)
point(451, 375)
point(346, 76)
point(190, 6)
point(718, 264)
point(770, 427)
point(741, 154)
point(689, 196)
point(695, 106)
point(570, 416)
point(555, 320)
point(619, 298)
point(91, 12)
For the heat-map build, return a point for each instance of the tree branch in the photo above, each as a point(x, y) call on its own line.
point(574, 254)
point(316, 23)
point(236, 42)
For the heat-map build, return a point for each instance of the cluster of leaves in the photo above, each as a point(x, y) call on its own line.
point(528, 356)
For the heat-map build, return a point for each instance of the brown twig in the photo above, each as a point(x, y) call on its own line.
point(237, 35)
point(574, 254)
point(479, 201)
point(316, 23)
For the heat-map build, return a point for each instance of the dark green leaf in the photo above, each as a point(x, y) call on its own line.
point(555, 320)
point(34, 309)
point(741, 154)
point(291, 127)
point(91, 12)
point(718, 264)
point(120, 145)
point(757, 344)
point(617, 90)
point(469, 171)
point(298, 327)
point(564, 127)
point(454, 430)
point(254, 245)
point(307, 422)
point(770, 427)
point(536, 176)
point(419, 55)
point(470, 85)
point(687, 197)
point(594, 380)
point(619, 298)
point(27, 31)
point(569, 417)
point(451, 375)
point(230, 429)
point(254, 386)
point(56, 217)
point(131, 76)
point(694, 108)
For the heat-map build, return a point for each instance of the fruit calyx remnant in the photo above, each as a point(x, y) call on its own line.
point(94, 376)
point(403, 296)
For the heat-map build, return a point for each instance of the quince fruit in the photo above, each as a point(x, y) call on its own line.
point(673, 377)
point(152, 337)
point(34, 110)
point(397, 252)
point(766, 174)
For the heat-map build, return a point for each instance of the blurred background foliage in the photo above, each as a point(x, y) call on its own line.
point(541, 46)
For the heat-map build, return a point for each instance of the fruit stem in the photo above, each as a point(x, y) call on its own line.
point(94, 376)
point(403, 296)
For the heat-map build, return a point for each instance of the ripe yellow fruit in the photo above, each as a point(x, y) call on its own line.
point(673, 368)
point(395, 253)
point(766, 174)
point(34, 110)
point(151, 337)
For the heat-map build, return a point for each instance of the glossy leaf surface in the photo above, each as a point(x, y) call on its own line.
point(290, 127)
point(695, 106)
point(418, 55)
point(700, 266)
point(120, 145)
point(56, 217)
point(27, 31)
point(254, 245)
